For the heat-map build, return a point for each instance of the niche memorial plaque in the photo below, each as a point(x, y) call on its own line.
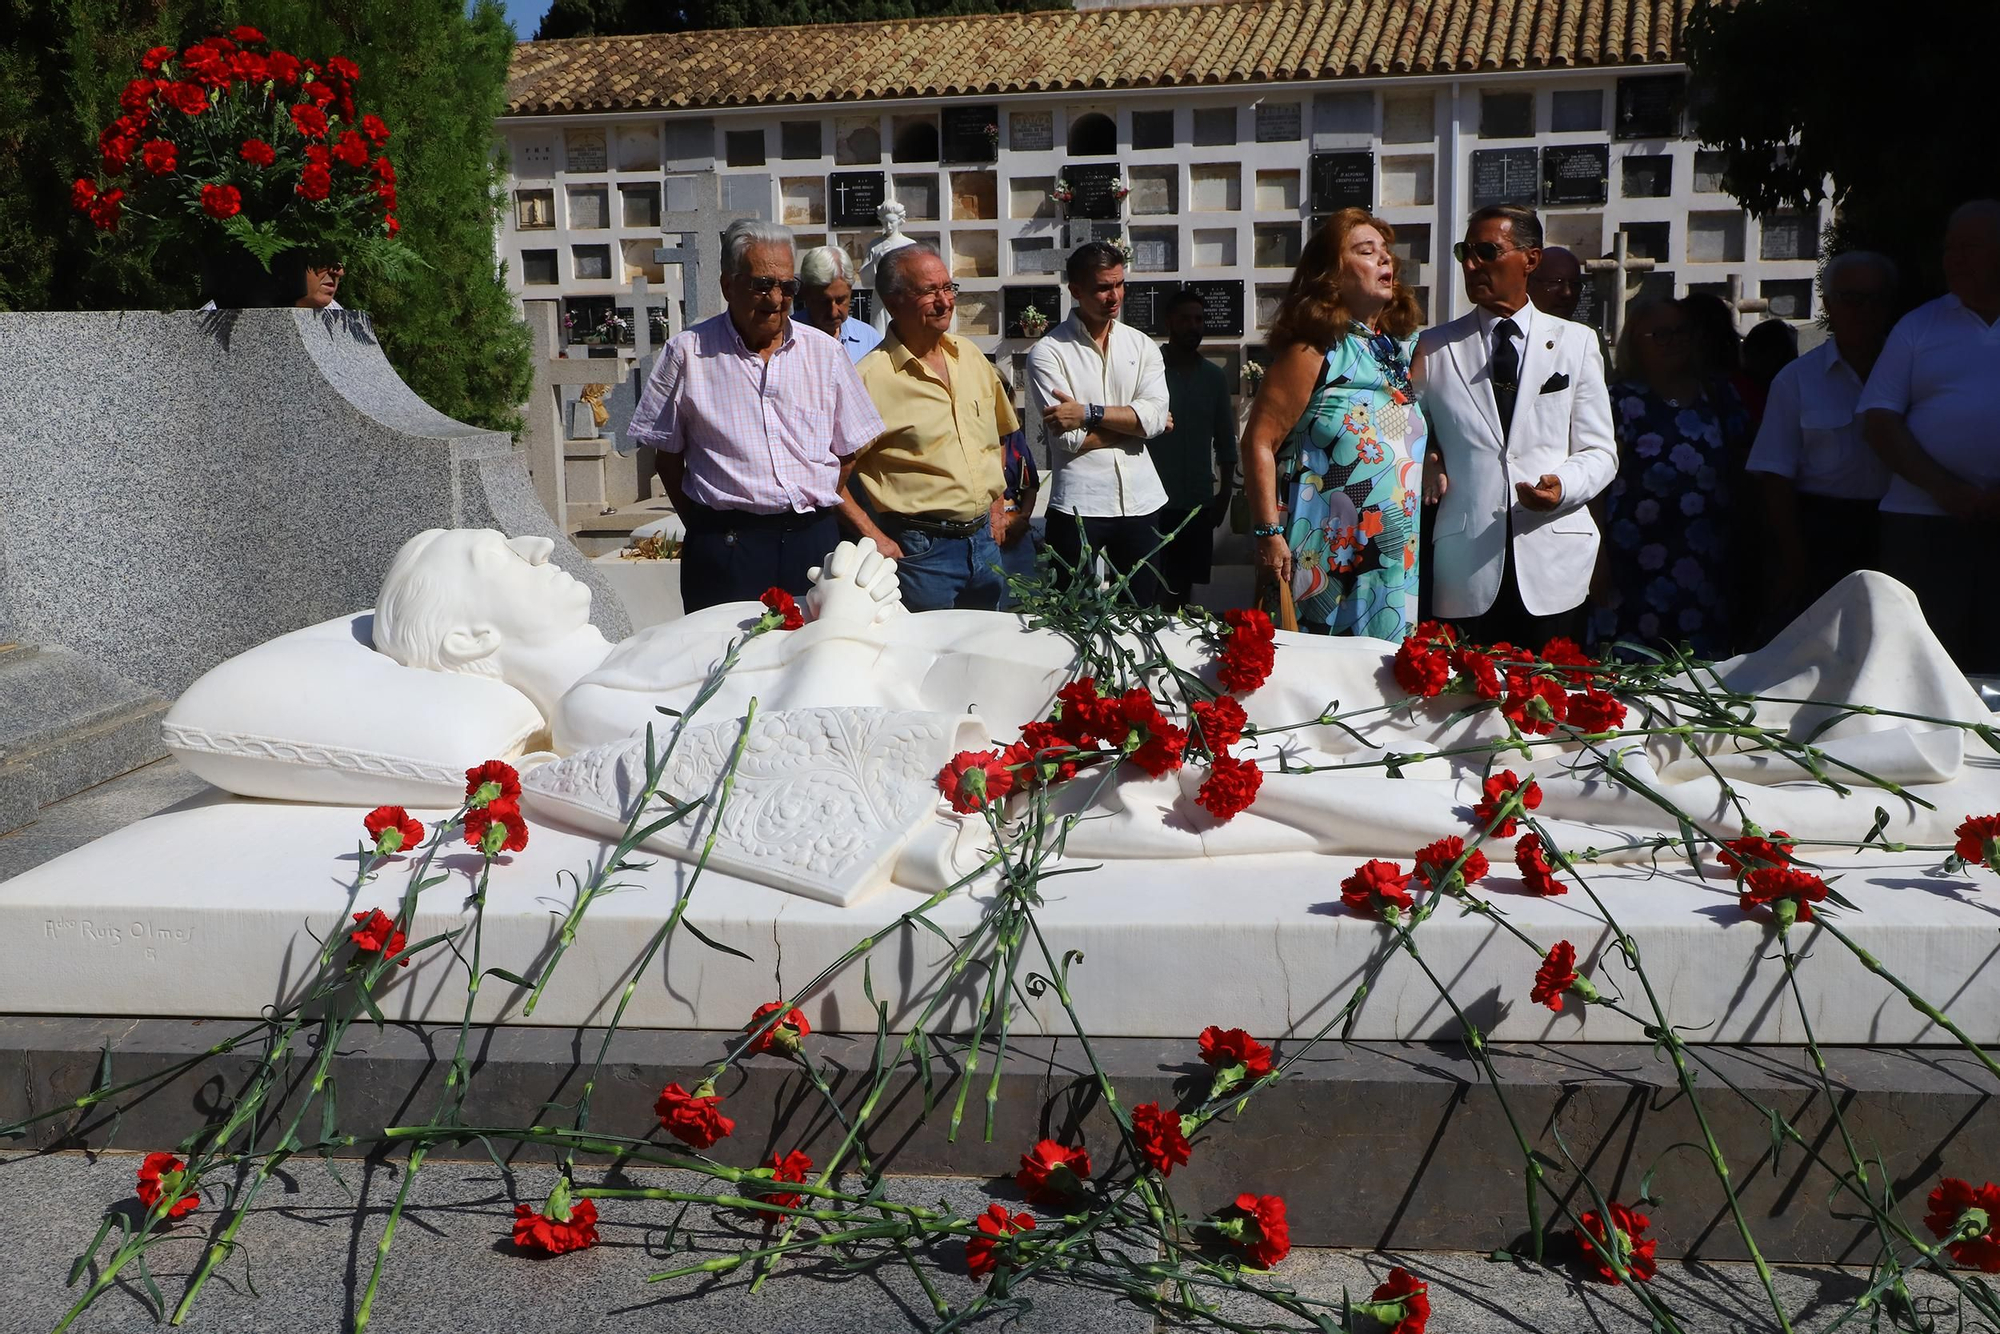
point(1576, 174)
point(1092, 189)
point(1221, 306)
point(1342, 180)
point(1016, 298)
point(1031, 131)
point(853, 197)
point(1649, 106)
point(1146, 306)
point(964, 133)
point(1279, 123)
point(1505, 176)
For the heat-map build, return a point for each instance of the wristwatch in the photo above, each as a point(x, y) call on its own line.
point(1093, 416)
point(1267, 530)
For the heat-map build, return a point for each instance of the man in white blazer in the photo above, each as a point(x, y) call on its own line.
point(1520, 425)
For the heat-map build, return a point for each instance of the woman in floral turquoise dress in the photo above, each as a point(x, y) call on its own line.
point(1335, 440)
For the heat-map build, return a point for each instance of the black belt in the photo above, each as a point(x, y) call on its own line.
point(702, 519)
point(934, 526)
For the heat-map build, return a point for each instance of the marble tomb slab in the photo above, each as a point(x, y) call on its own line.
point(205, 911)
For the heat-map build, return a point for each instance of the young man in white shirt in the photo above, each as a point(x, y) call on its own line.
point(1821, 482)
point(1932, 411)
point(1100, 391)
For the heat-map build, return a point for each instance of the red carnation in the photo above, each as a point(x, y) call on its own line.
point(1158, 1135)
point(1434, 859)
point(385, 171)
point(1958, 1210)
point(793, 1168)
point(1594, 711)
point(208, 63)
point(138, 96)
point(1499, 787)
point(1789, 893)
point(247, 36)
point(221, 201)
point(1051, 1174)
point(550, 1235)
point(351, 150)
point(1225, 1048)
point(1535, 704)
point(1479, 674)
point(251, 68)
point(376, 130)
point(317, 155)
point(377, 934)
point(781, 1036)
point(116, 156)
point(315, 182)
point(154, 1184)
point(1230, 787)
point(1558, 975)
point(1598, 1245)
point(83, 194)
point(1249, 653)
point(190, 99)
point(321, 93)
point(495, 780)
point(1402, 1304)
point(258, 153)
point(994, 1224)
point(1255, 1225)
point(1041, 756)
point(974, 778)
point(1979, 841)
point(1532, 860)
point(1422, 670)
point(1564, 652)
point(1139, 729)
point(693, 1118)
point(104, 210)
point(1378, 889)
point(1219, 721)
point(340, 67)
point(1084, 716)
point(155, 58)
point(392, 829)
point(1752, 851)
point(310, 121)
point(779, 608)
point(392, 225)
point(284, 68)
point(495, 828)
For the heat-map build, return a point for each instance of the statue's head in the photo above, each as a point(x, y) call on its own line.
point(890, 213)
point(477, 601)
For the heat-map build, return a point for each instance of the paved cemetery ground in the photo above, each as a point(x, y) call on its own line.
point(309, 1247)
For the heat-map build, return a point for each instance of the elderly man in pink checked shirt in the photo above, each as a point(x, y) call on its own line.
point(753, 415)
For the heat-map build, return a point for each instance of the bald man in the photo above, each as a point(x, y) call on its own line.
point(1931, 410)
point(1556, 285)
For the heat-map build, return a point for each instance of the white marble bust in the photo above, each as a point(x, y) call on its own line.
point(473, 600)
point(890, 213)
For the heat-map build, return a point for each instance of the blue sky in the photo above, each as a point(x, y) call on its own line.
point(526, 14)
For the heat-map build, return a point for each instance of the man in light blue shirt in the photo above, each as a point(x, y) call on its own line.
point(826, 294)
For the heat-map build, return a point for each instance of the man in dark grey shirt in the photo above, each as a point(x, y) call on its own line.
point(1196, 450)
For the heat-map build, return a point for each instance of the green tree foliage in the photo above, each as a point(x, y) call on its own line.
point(606, 18)
point(434, 70)
point(1898, 118)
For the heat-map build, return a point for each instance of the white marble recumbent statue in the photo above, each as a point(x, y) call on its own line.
point(489, 606)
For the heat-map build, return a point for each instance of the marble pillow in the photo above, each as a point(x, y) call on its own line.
point(319, 715)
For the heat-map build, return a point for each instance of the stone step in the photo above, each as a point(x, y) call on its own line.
point(66, 724)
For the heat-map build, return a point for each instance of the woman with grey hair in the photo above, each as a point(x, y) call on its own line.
point(826, 294)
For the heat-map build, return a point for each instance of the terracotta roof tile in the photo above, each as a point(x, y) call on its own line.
point(1162, 46)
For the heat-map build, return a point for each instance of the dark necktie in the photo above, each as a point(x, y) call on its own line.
point(1506, 373)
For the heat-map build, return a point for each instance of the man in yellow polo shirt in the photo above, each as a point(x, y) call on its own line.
point(936, 482)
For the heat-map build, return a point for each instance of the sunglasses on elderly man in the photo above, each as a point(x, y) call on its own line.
point(1483, 251)
point(765, 286)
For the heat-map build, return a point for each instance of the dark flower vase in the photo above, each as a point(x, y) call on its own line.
point(234, 280)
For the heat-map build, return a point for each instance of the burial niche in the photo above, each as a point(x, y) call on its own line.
point(1093, 134)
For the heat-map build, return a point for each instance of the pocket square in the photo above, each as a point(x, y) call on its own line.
point(1555, 383)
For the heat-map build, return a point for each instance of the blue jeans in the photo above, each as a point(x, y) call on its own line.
point(969, 573)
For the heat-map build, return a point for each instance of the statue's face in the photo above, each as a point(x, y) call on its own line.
point(508, 585)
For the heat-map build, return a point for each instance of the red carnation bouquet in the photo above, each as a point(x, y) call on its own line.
point(233, 145)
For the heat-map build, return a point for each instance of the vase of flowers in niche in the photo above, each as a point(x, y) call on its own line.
point(1033, 322)
point(255, 162)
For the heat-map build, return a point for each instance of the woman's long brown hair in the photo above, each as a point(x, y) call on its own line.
point(1313, 312)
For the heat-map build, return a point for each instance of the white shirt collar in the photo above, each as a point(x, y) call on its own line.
point(1523, 319)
